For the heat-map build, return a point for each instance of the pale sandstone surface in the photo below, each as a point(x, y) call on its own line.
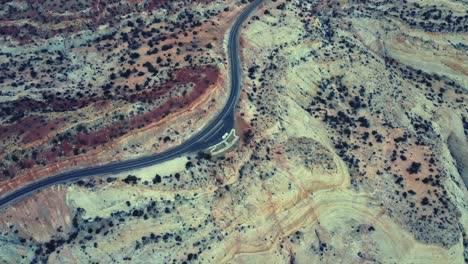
point(136, 84)
point(333, 127)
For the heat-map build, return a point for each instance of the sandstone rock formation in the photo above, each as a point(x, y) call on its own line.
point(353, 126)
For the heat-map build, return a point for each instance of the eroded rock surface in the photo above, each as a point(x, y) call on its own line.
point(101, 82)
point(353, 122)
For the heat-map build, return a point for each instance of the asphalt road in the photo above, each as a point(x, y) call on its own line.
point(209, 135)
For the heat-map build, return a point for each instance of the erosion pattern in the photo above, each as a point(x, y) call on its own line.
point(93, 82)
point(353, 125)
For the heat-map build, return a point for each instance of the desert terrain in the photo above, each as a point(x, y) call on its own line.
point(353, 125)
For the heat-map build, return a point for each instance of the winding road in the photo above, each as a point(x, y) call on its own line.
point(209, 135)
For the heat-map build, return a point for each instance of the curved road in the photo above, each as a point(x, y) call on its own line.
point(208, 136)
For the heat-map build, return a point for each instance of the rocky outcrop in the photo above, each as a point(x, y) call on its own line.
point(352, 127)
